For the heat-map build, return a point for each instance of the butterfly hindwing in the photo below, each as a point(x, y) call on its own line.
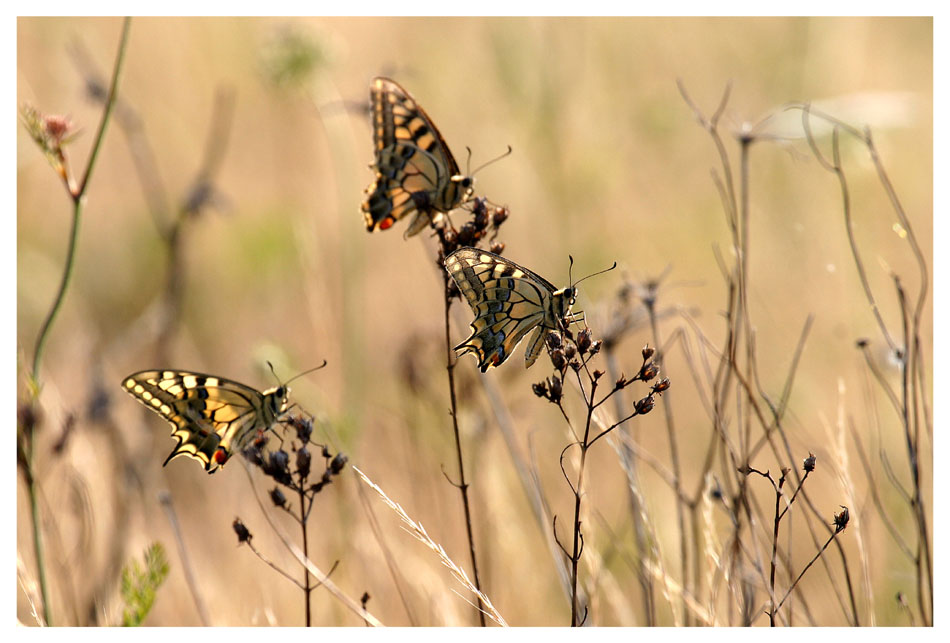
point(415, 170)
point(212, 417)
point(509, 301)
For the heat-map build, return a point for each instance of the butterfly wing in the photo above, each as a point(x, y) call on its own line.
point(211, 416)
point(415, 170)
point(508, 301)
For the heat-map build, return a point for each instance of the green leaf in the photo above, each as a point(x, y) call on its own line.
point(138, 585)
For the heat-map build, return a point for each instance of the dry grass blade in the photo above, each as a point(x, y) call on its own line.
point(419, 532)
point(28, 585)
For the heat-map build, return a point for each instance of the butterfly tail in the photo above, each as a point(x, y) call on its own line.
point(488, 348)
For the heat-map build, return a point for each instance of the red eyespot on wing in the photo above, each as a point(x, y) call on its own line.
point(386, 223)
point(220, 455)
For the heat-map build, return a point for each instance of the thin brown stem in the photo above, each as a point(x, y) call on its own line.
point(307, 589)
point(462, 485)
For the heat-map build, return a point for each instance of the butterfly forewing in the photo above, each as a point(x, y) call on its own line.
point(508, 301)
point(415, 170)
point(212, 417)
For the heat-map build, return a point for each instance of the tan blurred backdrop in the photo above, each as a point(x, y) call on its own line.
point(609, 164)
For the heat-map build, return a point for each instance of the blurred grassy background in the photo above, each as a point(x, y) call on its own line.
point(608, 164)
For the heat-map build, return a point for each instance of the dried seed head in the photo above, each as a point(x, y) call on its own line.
point(277, 497)
point(278, 466)
point(339, 461)
point(554, 385)
point(303, 426)
point(540, 389)
point(570, 351)
point(598, 374)
point(480, 212)
point(242, 533)
point(500, 215)
point(645, 405)
point(497, 247)
point(449, 240)
point(809, 462)
point(647, 353)
point(558, 359)
point(649, 371)
point(583, 341)
point(553, 339)
point(253, 453)
point(841, 519)
point(469, 235)
point(595, 347)
point(662, 385)
point(303, 462)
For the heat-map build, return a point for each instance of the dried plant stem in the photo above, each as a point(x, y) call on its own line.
point(322, 579)
point(578, 538)
point(650, 302)
point(807, 567)
point(912, 396)
point(307, 588)
point(630, 466)
point(462, 485)
point(166, 501)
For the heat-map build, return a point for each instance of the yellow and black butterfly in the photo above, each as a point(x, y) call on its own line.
point(415, 170)
point(508, 300)
point(212, 417)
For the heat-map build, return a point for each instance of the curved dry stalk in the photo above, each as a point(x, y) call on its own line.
point(417, 530)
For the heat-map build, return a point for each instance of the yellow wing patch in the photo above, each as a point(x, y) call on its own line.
point(415, 170)
point(211, 417)
point(509, 301)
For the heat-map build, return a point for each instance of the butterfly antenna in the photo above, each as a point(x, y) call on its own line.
point(600, 272)
point(570, 268)
point(273, 372)
point(468, 161)
point(309, 370)
point(487, 163)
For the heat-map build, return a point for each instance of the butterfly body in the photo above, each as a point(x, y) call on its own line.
point(509, 301)
point(415, 170)
point(212, 417)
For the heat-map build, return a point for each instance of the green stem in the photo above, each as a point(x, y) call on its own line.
point(78, 197)
point(37, 537)
point(60, 295)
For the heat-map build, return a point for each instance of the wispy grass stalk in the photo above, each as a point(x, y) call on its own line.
point(419, 532)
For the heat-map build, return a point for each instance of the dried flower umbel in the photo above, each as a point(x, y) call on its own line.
point(570, 356)
point(296, 477)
